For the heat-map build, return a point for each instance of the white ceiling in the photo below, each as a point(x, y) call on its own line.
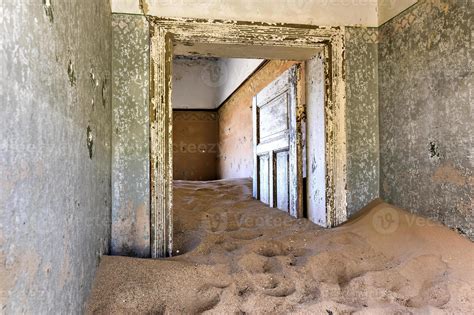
point(205, 83)
point(317, 12)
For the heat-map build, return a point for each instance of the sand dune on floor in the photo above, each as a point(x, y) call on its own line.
point(239, 256)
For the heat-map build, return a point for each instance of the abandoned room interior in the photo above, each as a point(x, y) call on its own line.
point(236, 157)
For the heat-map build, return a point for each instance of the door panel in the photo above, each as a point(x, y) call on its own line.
point(282, 179)
point(264, 177)
point(275, 116)
point(277, 144)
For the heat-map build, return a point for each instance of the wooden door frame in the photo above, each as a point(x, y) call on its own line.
point(166, 32)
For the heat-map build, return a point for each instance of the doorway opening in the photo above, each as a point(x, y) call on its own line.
point(235, 119)
point(203, 87)
point(279, 116)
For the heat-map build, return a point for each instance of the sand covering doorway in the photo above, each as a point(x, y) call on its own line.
point(246, 40)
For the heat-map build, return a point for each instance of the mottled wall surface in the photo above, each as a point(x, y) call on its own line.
point(130, 157)
point(235, 123)
point(362, 117)
point(55, 152)
point(426, 122)
point(195, 145)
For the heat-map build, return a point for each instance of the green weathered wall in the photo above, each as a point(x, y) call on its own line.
point(362, 123)
point(55, 152)
point(426, 121)
point(130, 143)
point(130, 177)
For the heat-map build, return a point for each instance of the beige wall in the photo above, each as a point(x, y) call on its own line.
point(194, 145)
point(317, 12)
point(235, 123)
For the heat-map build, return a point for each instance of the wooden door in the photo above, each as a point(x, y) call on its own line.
point(277, 179)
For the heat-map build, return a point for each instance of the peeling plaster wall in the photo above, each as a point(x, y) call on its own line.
point(362, 122)
point(130, 142)
point(55, 152)
point(195, 145)
point(426, 129)
point(398, 61)
point(315, 141)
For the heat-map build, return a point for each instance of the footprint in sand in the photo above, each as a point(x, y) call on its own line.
point(270, 248)
point(253, 263)
point(207, 297)
point(426, 286)
point(276, 286)
point(415, 283)
point(328, 267)
point(432, 293)
point(230, 246)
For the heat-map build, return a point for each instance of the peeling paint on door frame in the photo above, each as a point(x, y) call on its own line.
point(166, 32)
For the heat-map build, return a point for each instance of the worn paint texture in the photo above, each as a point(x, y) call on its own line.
point(315, 144)
point(426, 129)
point(161, 144)
point(195, 145)
point(167, 32)
point(55, 152)
point(361, 120)
point(130, 140)
point(362, 123)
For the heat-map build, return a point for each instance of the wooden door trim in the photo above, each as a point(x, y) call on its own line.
point(255, 136)
point(167, 32)
point(295, 149)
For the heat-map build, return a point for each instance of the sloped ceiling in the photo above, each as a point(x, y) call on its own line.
point(388, 9)
point(317, 12)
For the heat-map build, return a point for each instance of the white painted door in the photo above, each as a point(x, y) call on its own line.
point(277, 179)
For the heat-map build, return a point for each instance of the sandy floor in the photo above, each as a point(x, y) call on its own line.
point(243, 257)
